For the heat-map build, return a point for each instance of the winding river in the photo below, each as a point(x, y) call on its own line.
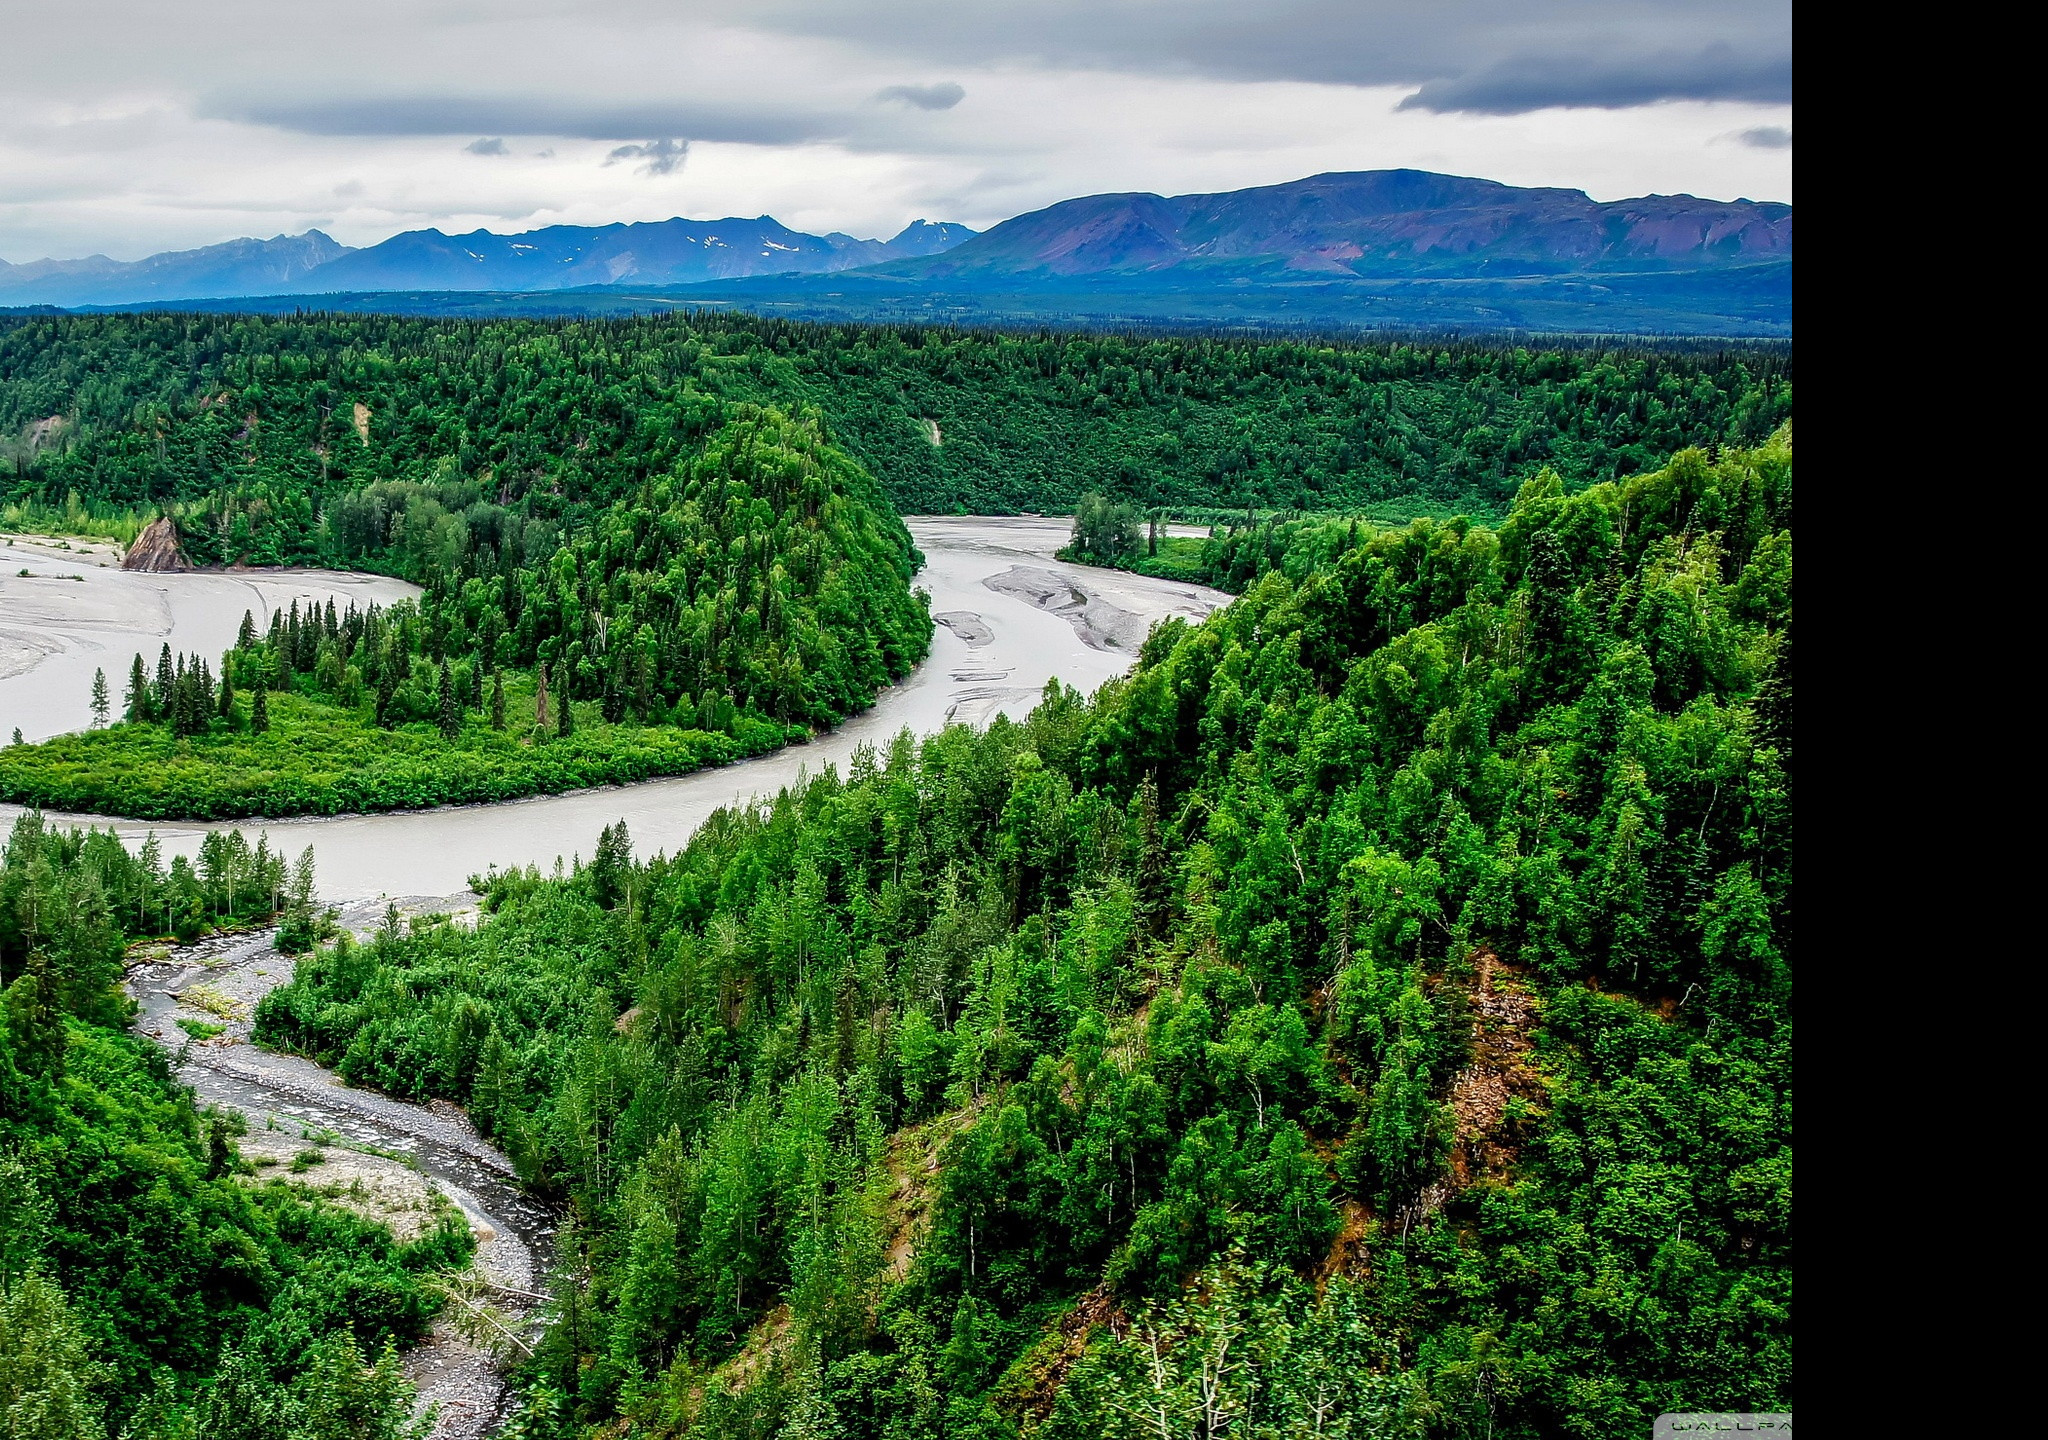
point(1011, 617)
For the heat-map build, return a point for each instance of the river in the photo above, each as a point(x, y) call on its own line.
point(1012, 618)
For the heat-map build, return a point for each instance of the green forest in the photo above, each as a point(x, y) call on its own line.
point(757, 593)
point(1369, 1018)
point(650, 546)
point(259, 426)
point(152, 1287)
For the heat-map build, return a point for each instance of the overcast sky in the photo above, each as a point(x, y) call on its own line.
point(133, 126)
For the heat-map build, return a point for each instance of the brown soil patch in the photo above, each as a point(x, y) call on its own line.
point(1027, 1392)
point(1490, 1124)
point(1349, 1254)
point(362, 419)
point(912, 1161)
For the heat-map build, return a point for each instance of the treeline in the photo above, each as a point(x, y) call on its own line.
point(757, 593)
point(148, 1289)
point(261, 427)
point(1373, 1013)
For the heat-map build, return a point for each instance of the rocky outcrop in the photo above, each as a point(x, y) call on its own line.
point(157, 550)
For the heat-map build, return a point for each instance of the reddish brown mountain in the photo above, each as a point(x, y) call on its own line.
point(1372, 223)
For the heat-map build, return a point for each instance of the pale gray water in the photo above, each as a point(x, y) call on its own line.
point(436, 851)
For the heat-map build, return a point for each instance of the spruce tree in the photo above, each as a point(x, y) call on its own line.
point(35, 1018)
point(543, 723)
point(141, 704)
point(245, 638)
point(497, 700)
point(101, 703)
point(166, 676)
point(567, 725)
point(259, 714)
point(227, 697)
point(451, 712)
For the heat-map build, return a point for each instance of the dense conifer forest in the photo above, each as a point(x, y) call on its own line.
point(151, 1286)
point(261, 424)
point(1369, 1018)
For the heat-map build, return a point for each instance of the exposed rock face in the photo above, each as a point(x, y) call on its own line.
point(157, 549)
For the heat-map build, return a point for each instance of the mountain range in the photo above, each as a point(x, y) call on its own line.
point(1375, 248)
point(663, 252)
point(1373, 223)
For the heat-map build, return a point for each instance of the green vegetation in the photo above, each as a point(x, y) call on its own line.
point(711, 615)
point(257, 427)
point(147, 1288)
point(625, 514)
point(1369, 1018)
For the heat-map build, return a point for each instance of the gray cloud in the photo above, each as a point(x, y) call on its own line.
point(1766, 137)
point(570, 118)
point(943, 96)
point(1536, 82)
point(485, 147)
point(1488, 56)
point(663, 157)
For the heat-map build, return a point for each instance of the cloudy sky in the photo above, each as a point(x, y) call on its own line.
point(132, 126)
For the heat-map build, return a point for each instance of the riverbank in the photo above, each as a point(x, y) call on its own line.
point(1015, 648)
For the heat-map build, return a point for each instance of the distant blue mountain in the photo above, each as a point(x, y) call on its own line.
point(663, 252)
point(1373, 249)
point(239, 267)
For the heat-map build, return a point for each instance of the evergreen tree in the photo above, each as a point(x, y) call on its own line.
point(227, 696)
point(387, 692)
point(245, 638)
point(166, 676)
point(543, 723)
point(497, 700)
point(566, 725)
point(450, 710)
point(259, 712)
point(141, 701)
point(101, 703)
point(35, 1019)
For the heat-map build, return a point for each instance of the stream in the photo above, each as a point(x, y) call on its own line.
point(379, 1156)
point(1010, 618)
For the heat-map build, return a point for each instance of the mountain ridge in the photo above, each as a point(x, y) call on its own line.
point(673, 251)
point(1372, 223)
point(1375, 249)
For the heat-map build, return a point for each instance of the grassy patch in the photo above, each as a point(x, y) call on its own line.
point(200, 1029)
point(201, 997)
point(321, 758)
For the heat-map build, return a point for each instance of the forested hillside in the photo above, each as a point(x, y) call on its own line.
point(1370, 1018)
point(259, 426)
point(138, 1259)
point(716, 612)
